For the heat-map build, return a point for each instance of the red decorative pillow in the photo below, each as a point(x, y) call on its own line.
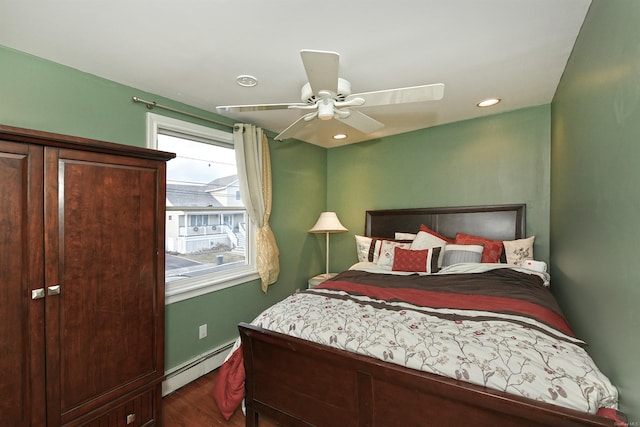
point(424, 260)
point(435, 233)
point(492, 248)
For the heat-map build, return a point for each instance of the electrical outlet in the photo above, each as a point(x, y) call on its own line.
point(202, 331)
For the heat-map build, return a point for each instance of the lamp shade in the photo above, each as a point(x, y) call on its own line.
point(328, 223)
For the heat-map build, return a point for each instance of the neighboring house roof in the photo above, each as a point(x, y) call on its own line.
point(223, 182)
point(199, 195)
point(190, 195)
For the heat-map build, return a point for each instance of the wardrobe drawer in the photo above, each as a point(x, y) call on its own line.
point(140, 411)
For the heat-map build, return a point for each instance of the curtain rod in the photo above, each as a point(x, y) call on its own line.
point(152, 104)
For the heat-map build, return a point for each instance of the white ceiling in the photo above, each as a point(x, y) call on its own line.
point(192, 50)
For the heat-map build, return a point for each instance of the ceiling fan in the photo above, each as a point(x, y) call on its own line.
point(327, 96)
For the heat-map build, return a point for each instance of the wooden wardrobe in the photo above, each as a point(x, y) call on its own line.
point(81, 281)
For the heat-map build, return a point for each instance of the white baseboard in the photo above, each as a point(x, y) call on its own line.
point(195, 368)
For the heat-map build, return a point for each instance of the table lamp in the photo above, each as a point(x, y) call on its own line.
point(328, 223)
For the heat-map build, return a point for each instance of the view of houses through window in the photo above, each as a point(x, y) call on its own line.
point(206, 222)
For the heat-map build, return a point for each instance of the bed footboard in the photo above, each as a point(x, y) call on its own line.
point(300, 383)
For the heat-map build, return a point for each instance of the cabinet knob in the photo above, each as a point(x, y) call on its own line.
point(37, 293)
point(53, 290)
point(131, 418)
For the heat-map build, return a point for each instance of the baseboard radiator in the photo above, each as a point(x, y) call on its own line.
point(195, 368)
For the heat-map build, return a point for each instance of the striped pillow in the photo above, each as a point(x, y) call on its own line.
point(454, 254)
point(492, 248)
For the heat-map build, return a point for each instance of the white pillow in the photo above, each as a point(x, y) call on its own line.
point(404, 236)
point(387, 251)
point(540, 266)
point(363, 244)
point(517, 251)
point(424, 240)
point(368, 248)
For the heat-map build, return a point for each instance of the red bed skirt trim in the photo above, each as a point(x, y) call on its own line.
point(228, 391)
point(613, 414)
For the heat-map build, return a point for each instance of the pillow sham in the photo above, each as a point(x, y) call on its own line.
point(454, 254)
point(399, 235)
point(368, 248)
point(419, 261)
point(517, 251)
point(387, 253)
point(435, 233)
point(363, 244)
point(426, 240)
point(492, 248)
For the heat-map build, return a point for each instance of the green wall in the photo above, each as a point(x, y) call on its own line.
point(498, 159)
point(39, 94)
point(595, 200)
point(573, 163)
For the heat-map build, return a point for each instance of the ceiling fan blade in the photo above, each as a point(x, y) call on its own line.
point(361, 122)
point(257, 107)
point(293, 128)
point(405, 95)
point(322, 69)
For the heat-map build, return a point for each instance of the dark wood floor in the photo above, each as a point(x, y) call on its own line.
point(193, 406)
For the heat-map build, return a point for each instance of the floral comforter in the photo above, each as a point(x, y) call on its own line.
point(496, 327)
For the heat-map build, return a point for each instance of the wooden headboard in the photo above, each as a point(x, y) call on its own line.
point(499, 222)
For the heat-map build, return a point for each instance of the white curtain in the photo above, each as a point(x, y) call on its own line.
point(254, 176)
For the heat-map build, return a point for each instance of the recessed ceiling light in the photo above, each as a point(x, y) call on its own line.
point(340, 136)
point(246, 80)
point(488, 102)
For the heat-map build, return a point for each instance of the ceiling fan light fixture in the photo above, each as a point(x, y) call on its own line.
point(246, 80)
point(489, 102)
point(325, 109)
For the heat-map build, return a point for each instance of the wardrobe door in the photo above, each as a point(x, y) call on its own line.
point(21, 270)
point(105, 304)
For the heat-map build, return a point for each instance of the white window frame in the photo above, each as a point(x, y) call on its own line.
point(189, 288)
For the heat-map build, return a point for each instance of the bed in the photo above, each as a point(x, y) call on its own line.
point(452, 353)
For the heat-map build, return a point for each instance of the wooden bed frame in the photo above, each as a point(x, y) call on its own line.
point(301, 383)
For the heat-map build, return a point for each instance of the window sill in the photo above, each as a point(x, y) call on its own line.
point(181, 292)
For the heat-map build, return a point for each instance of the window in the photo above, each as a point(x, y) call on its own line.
point(210, 239)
